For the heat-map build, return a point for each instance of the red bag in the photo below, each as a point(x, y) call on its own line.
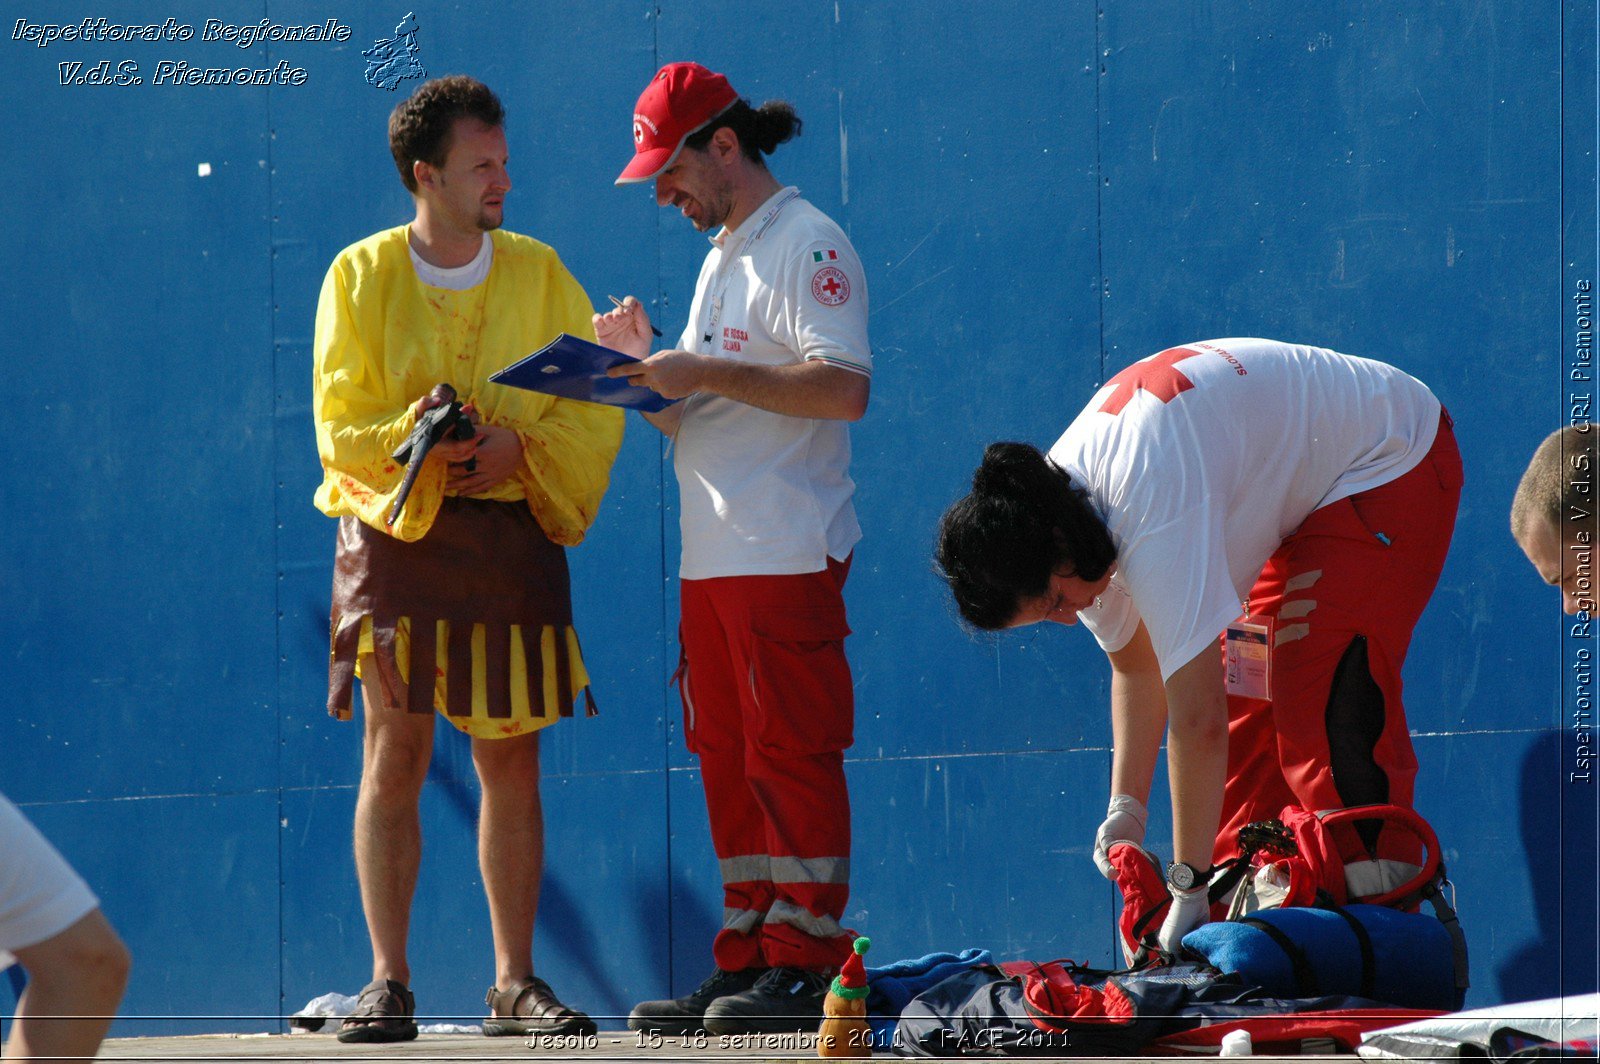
point(1373, 854)
point(1368, 854)
point(1294, 1033)
point(1056, 1001)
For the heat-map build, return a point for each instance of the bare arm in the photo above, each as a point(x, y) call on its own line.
point(1197, 755)
point(806, 389)
point(1138, 716)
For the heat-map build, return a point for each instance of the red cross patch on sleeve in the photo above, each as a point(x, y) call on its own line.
point(830, 286)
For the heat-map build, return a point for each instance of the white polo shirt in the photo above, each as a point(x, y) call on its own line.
point(1202, 459)
point(763, 493)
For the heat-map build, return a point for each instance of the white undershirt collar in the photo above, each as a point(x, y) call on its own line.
point(454, 278)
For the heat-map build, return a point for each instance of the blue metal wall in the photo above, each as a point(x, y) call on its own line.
point(1041, 194)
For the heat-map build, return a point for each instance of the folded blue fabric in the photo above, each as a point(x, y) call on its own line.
point(892, 986)
point(1304, 951)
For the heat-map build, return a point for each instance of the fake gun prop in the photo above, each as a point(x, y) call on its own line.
point(445, 420)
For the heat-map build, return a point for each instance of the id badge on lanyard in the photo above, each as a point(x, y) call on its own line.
point(713, 316)
point(729, 264)
point(1247, 657)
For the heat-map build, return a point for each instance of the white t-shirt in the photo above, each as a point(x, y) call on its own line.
point(455, 278)
point(764, 493)
point(1204, 458)
point(40, 895)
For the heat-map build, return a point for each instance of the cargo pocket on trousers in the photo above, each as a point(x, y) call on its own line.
point(800, 679)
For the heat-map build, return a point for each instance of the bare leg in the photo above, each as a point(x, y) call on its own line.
point(510, 848)
point(78, 973)
point(388, 834)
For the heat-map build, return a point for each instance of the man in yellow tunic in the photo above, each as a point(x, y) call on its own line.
point(463, 603)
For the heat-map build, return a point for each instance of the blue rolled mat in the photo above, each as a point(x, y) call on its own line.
point(1305, 952)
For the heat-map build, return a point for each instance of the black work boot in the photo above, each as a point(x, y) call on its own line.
point(783, 999)
point(686, 1015)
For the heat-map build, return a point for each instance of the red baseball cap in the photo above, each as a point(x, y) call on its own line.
point(681, 99)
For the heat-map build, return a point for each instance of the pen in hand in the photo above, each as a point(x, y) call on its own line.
point(618, 303)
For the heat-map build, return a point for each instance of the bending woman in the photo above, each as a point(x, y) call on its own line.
point(1299, 498)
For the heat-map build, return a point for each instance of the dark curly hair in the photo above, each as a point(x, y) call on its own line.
point(1024, 520)
point(420, 126)
point(760, 129)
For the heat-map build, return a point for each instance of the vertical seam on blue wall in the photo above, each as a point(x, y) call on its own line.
point(667, 628)
point(1100, 312)
point(1099, 190)
point(277, 524)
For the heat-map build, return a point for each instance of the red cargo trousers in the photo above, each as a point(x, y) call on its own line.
point(1344, 593)
point(769, 709)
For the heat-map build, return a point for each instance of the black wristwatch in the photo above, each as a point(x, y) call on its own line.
point(1187, 877)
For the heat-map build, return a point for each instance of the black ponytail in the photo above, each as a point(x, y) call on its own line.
point(1024, 520)
point(760, 129)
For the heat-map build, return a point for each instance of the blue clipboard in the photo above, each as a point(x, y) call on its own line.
point(572, 368)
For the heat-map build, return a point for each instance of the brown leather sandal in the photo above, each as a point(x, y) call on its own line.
point(384, 1013)
point(529, 1006)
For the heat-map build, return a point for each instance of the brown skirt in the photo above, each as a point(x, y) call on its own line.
point(482, 562)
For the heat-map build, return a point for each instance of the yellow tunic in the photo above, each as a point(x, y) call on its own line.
point(383, 340)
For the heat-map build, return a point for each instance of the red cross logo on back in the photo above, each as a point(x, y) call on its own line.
point(1154, 375)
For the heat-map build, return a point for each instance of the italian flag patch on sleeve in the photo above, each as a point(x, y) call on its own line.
point(824, 256)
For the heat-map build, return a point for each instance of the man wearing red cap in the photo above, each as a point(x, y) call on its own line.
point(773, 363)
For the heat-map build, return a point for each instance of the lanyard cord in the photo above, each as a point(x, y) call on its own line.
point(725, 274)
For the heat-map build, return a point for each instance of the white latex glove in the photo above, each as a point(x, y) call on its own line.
point(1124, 822)
point(1189, 910)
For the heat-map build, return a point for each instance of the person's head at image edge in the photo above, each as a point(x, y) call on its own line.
point(1553, 514)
